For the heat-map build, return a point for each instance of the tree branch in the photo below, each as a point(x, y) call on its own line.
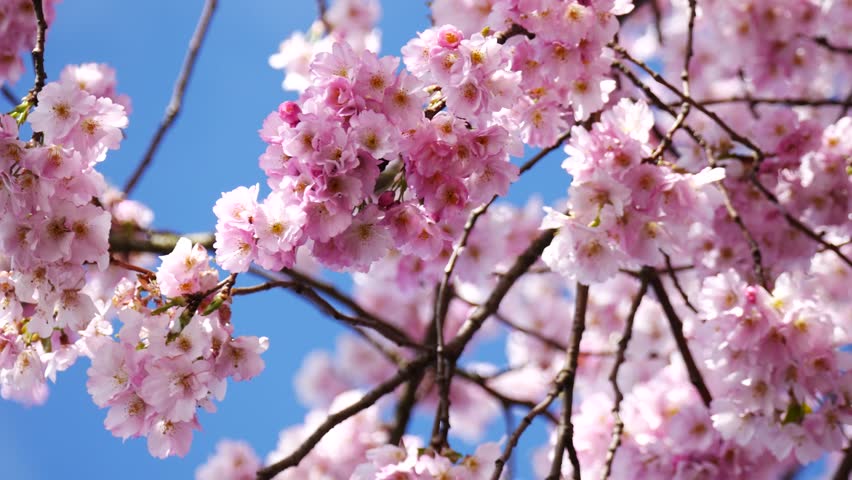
point(443, 369)
point(565, 435)
point(334, 419)
point(844, 470)
point(492, 303)
point(544, 152)
point(38, 55)
point(676, 327)
point(824, 43)
point(173, 109)
point(795, 222)
point(756, 254)
point(618, 427)
point(9, 95)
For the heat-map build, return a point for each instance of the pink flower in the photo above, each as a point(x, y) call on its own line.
point(240, 358)
point(231, 461)
point(186, 270)
point(168, 437)
point(61, 107)
point(112, 371)
point(174, 386)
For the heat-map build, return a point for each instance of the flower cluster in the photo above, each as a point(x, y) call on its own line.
point(777, 45)
point(172, 356)
point(805, 173)
point(18, 33)
point(473, 73)
point(625, 211)
point(232, 461)
point(668, 434)
point(356, 168)
point(557, 47)
point(54, 229)
point(388, 462)
point(350, 21)
point(782, 382)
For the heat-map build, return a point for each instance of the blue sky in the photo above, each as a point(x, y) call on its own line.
point(212, 148)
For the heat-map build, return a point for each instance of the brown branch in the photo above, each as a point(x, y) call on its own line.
point(386, 329)
point(134, 268)
point(795, 222)
point(504, 399)
point(369, 399)
point(734, 215)
point(550, 342)
point(847, 103)
point(404, 407)
point(9, 95)
point(442, 302)
point(434, 108)
point(474, 322)
point(322, 10)
point(658, 21)
point(153, 242)
point(544, 152)
point(174, 107)
point(38, 55)
point(795, 102)
point(620, 355)
point(686, 98)
point(657, 154)
point(844, 469)
point(565, 435)
point(824, 43)
point(676, 327)
point(514, 30)
point(540, 408)
point(756, 254)
point(671, 271)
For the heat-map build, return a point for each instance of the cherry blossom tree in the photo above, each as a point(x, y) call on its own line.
point(683, 313)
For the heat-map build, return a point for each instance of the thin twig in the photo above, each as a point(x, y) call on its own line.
point(795, 222)
point(684, 76)
point(174, 107)
point(387, 330)
point(9, 95)
point(550, 342)
point(515, 437)
point(131, 267)
point(501, 397)
point(565, 435)
point(38, 55)
point(474, 322)
point(442, 301)
point(795, 102)
point(336, 418)
point(756, 254)
point(658, 21)
point(676, 327)
point(544, 152)
point(671, 271)
point(824, 43)
point(404, 407)
point(686, 98)
point(322, 10)
point(847, 103)
point(620, 355)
